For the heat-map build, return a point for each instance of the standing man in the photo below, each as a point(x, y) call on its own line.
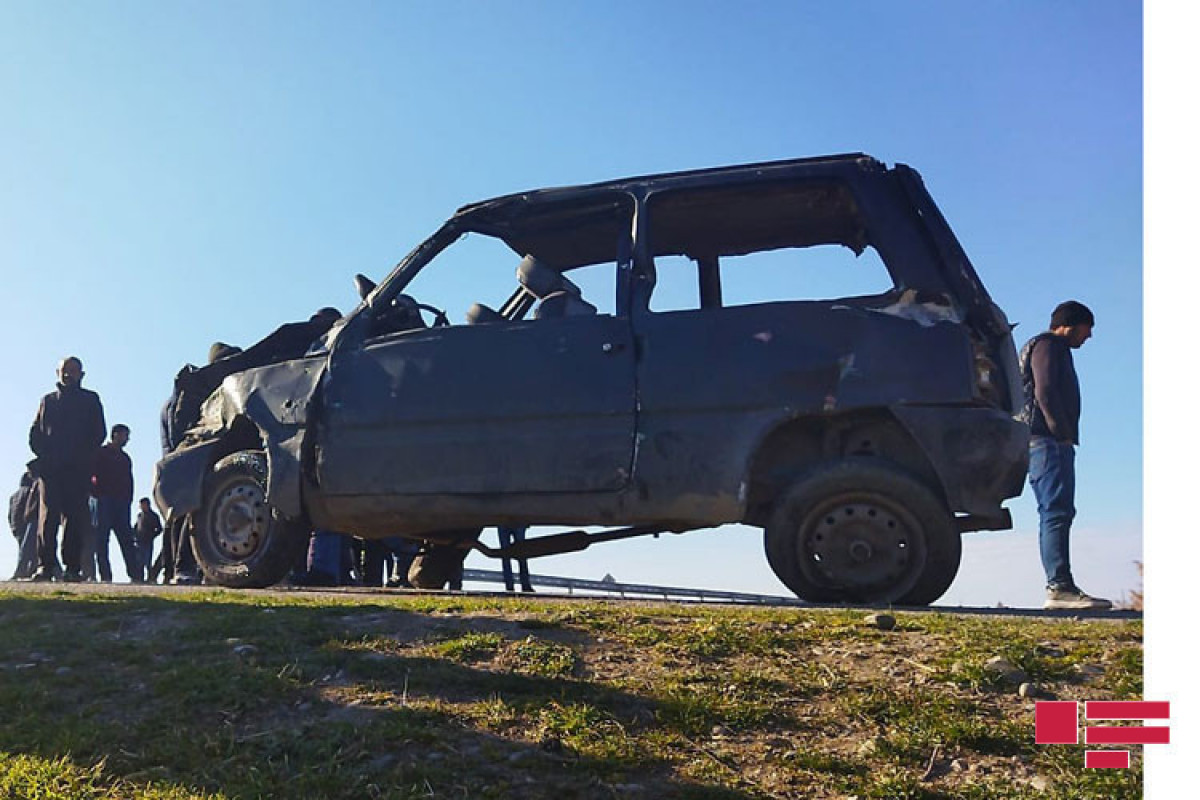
point(1052, 406)
point(65, 435)
point(146, 528)
point(112, 484)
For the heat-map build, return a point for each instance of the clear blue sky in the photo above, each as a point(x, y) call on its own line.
point(176, 173)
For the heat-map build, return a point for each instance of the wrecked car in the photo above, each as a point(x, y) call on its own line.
point(653, 367)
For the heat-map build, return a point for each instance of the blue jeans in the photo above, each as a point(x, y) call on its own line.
point(112, 516)
point(327, 555)
point(145, 551)
point(1052, 476)
point(509, 536)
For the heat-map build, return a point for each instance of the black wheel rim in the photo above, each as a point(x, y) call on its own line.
point(863, 545)
point(240, 520)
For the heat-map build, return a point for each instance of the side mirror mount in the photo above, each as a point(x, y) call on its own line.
point(363, 285)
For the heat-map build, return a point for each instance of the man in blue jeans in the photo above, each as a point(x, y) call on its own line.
point(1052, 406)
point(112, 484)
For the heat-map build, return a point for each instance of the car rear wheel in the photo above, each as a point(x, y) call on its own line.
point(862, 530)
point(238, 539)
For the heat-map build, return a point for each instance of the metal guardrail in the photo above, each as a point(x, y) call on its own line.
point(572, 585)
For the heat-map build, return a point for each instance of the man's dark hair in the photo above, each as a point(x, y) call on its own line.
point(328, 312)
point(144, 500)
point(1071, 313)
point(120, 427)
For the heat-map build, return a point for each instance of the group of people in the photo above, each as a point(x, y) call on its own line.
point(80, 483)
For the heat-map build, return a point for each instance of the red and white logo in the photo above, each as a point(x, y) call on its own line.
point(1057, 722)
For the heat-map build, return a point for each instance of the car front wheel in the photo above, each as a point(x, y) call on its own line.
point(238, 539)
point(862, 530)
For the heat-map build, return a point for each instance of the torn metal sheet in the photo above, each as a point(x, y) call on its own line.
point(923, 313)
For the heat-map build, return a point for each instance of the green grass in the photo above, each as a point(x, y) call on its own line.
point(246, 695)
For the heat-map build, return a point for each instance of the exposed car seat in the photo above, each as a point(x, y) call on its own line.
point(479, 314)
point(558, 295)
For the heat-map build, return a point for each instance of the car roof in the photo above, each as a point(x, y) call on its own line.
point(796, 167)
point(573, 226)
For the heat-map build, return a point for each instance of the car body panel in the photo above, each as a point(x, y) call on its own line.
point(779, 362)
point(275, 400)
point(533, 406)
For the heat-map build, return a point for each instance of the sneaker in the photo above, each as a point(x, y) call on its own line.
point(72, 576)
point(1073, 599)
point(185, 579)
point(42, 575)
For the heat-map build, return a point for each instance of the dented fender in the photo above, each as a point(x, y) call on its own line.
point(276, 400)
point(980, 454)
point(179, 479)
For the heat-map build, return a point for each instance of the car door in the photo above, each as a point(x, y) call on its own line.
point(530, 406)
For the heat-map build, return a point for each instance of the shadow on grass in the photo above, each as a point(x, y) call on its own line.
point(184, 697)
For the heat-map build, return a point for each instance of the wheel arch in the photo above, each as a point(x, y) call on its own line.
point(282, 445)
point(797, 445)
point(180, 476)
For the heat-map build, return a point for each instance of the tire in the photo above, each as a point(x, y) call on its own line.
point(433, 568)
point(238, 539)
point(862, 530)
point(941, 568)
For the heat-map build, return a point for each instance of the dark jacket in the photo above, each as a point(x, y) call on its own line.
point(1052, 402)
point(147, 526)
point(67, 431)
point(113, 474)
point(20, 505)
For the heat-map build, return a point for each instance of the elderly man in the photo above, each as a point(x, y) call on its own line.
point(65, 436)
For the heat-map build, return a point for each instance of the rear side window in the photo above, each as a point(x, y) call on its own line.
point(760, 243)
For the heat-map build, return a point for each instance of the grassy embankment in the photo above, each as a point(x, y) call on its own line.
point(242, 695)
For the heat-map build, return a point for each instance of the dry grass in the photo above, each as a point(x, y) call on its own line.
point(220, 694)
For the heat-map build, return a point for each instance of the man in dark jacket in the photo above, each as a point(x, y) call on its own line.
point(65, 435)
point(112, 484)
point(147, 527)
point(1052, 407)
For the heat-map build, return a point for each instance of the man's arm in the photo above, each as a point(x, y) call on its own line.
point(1047, 386)
point(37, 432)
point(99, 430)
point(16, 511)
